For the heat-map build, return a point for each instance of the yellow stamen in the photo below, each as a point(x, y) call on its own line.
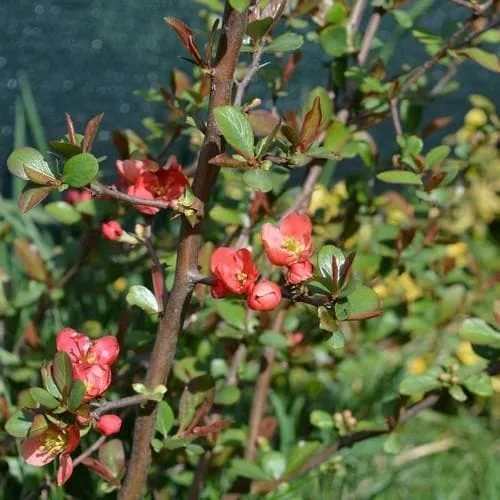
point(292, 245)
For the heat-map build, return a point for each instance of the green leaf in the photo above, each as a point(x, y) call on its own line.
point(80, 169)
point(65, 149)
point(19, 424)
point(436, 156)
point(326, 320)
point(334, 40)
point(39, 425)
point(480, 384)
point(485, 59)
point(321, 419)
point(250, 470)
point(457, 393)
point(112, 455)
point(300, 454)
point(227, 396)
point(63, 373)
point(286, 42)
point(236, 129)
point(358, 304)
point(32, 196)
point(165, 419)
point(274, 464)
point(76, 395)
point(21, 157)
point(257, 29)
point(337, 340)
point(418, 384)
point(44, 398)
point(232, 313)
point(143, 298)
point(258, 180)
point(63, 212)
point(400, 177)
point(477, 331)
point(273, 339)
point(403, 18)
point(239, 5)
point(328, 257)
point(326, 104)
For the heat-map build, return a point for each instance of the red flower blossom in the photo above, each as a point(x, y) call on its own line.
point(131, 169)
point(166, 184)
point(265, 296)
point(41, 449)
point(109, 424)
point(111, 230)
point(97, 379)
point(297, 273)
point(74, 196)
point(291, 242)
point(81, 349)
point(234, 270)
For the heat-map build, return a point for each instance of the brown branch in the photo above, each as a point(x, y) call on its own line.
point(162, 356)
point(477, 8)
point(261, 388)
point(199, 476)
point(371, 30)
point(356, 16)
point(80, 458)
point(395, 116)
point(237, 360)
point(110, 406)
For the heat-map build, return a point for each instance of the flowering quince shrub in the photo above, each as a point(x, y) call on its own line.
point(273, 300)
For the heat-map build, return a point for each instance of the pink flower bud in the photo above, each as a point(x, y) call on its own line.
point(74, 196)
point(109, 424)
point(265, 296)
point(104, 351)
point(297, 273)
point(111, 230)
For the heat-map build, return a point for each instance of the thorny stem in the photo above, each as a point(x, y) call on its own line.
point(162, 356)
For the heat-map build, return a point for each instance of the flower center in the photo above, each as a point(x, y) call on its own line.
point(241, 277)
point(53, 443)
point(293, 245)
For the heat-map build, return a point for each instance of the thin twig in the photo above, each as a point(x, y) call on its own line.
point(477, 8)
point(80, 458)
point(116, 405)
point(371, 30)
point(252, 70)
point(261, 390)
point(395, 116)
point(237, 360)
point(199, 476)
point(445, 79)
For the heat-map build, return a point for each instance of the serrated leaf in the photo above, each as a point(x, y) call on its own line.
point(165, 419)
point(63, 212)
point(477, 331)
point(321, 419)
point(80, 169)
point(44, 398)
point(258, 180)
point(400, 177)
point(76, 395)
point(418, 384)
point(480, 384)
point(436, 155)
point(40, 173)
point(235, 128)
point(286, 42)
point(21, 157)
point(63, 373)
point(32, 196)
point(143, 298)
point(19, 424)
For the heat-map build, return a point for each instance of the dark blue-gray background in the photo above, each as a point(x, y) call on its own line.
point(88, 56)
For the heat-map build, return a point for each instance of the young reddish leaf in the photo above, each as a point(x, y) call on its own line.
point(217, 426)
point(158, 285)
point(91, 132)
point(263, 122)
point(71, 129)
point(112, 455)
point(63, 373)
point(39, 425)
point(311, 126)
point(187, 38)
point(100, 469)
point(30, 258)
point(291, 135)
point(224, 160)
point(289, 69)
point(179, 82)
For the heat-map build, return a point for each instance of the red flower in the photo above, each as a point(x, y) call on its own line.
point(234, 270)
point(166, 184)
point(265, 296)
point(81, 349)
point(97, 378)
point(291, 242)
point(111, 230)
point(41, 449)
point(297, 273)
point(131, 169)
point(74, 196)
point(109, 424)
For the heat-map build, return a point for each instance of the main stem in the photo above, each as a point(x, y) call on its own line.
point(162, 356)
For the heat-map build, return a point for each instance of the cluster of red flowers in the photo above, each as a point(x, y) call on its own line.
point(288, 245)
point(146, 179)
point(91, 363)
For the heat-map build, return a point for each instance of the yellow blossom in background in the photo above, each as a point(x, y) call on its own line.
point(459, 252)
point(120, 285)
point(466, 354)
point(486, 200)
point(399, 287)
point(416, 366)
point(328, 200)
